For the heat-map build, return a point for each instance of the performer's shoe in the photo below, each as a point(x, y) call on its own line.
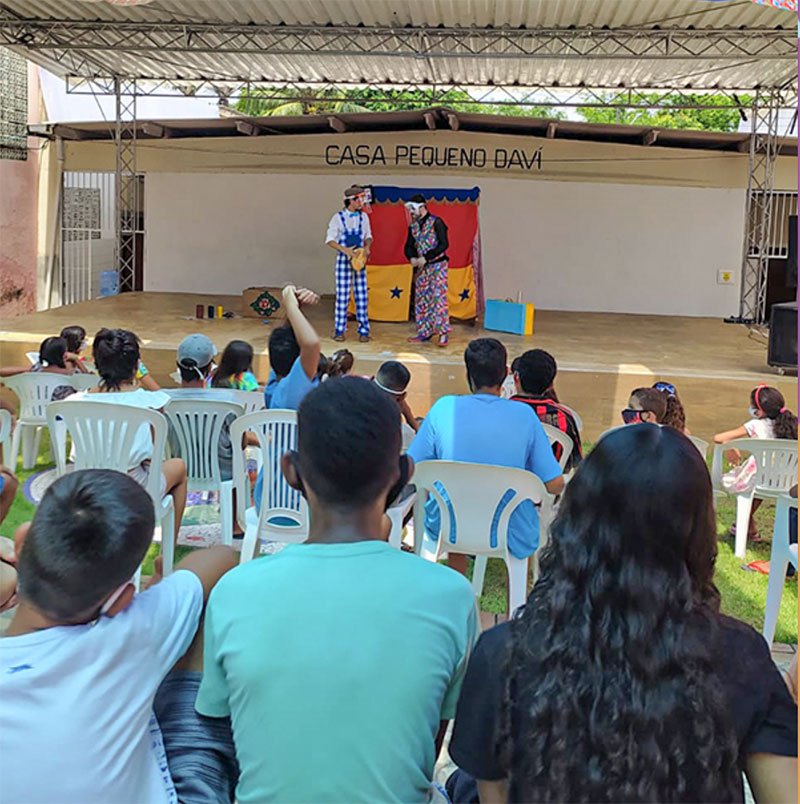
point(444, 340)
point(338, 338)
point(419, 339)
point(364, 338)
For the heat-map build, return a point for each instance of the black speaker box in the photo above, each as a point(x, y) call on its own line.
point(782, 351)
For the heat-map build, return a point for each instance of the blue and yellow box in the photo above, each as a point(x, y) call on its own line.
point(508, 316)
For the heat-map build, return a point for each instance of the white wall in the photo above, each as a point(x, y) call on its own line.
point(593, 247)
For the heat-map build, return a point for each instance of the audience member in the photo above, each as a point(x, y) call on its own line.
point(75, 336)
point(235, 368)
point(348, 696)
point(675, 415)
point(534, 377)
point(195, 360)
point(294, 353)
point(145, 378)
point(84, 655)
point(769, 418)
point(52, 360)
point(484, 428)
point(645, 405)
point(620, 680)
point(340, 364)
point(117, 356)
point(294, 358)
point(393, 378)
point(8, 562)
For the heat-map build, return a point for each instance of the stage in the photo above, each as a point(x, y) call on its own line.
point(601, 356)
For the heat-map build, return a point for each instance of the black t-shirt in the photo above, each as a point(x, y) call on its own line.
point(764, 716)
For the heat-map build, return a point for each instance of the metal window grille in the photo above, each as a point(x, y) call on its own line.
point(13, 106)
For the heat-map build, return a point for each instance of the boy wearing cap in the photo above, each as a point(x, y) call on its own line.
point(349, 230)
point(195, 359)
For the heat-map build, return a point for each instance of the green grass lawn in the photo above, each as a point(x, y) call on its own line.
point(743, 592)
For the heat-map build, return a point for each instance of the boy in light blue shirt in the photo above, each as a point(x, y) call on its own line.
point(485, 428)
point(294, 351)
point(346, 695)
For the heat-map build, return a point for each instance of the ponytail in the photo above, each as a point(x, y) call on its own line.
point(338, 365)
point(772, 405)
point(785, 425)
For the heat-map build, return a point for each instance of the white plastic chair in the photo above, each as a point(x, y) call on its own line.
point(6, 422)
point(475, 504)
point(284, 512)
point(776, 473)
point(701, 445)
point(81, 381)
point(556, 436)
point(33, 389)
point(397, 515)
point(575, 416)
point(249, 400)
point(781, 555)
point(102, 437)
point(197, 424)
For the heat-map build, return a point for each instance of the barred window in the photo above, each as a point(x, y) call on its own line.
point(13, 105)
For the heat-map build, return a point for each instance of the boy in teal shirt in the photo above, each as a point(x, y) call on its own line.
point(339, 660)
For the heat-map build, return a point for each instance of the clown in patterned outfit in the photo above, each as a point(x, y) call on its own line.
point(426, 249)
point(350, 235)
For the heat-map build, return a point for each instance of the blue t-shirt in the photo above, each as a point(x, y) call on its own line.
point(288, 392)
point(483, 428)
point(285, 393)
point(336, 702)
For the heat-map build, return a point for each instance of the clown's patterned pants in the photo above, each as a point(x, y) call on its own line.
point(431, 308)
point(346, 278)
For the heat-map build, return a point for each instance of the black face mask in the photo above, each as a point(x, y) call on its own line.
point(394, 491)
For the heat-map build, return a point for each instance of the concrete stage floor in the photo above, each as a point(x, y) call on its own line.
point(601, 356)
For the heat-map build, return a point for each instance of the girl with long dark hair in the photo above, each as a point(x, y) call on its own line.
point(769, 418)
point(235, 368)
point(619, 680)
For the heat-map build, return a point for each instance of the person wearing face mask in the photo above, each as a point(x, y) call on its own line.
point(349, 234)
point(645, 405)
point(426, 249)
point(769, 418)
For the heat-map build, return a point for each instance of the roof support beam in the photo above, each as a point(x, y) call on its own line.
point(453, 121)
point(337, 124)
point(156, 130)
point(248, 129)
point(496, 96)
point(650, 137)
point(430, 120)
point(552, 127)
point(187, 36)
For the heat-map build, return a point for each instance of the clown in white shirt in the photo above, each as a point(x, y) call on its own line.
point(350, 235)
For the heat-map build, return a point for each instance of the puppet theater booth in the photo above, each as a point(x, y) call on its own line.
point(390, 278)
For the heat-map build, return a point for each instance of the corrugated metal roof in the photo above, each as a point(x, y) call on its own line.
point(450, 13)
point(441, 117)
point(313, 65)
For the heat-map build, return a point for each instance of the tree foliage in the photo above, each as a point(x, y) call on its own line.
point(259, 104)
point(724, 118)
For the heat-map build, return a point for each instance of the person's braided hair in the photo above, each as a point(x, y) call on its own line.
point(611, 694)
